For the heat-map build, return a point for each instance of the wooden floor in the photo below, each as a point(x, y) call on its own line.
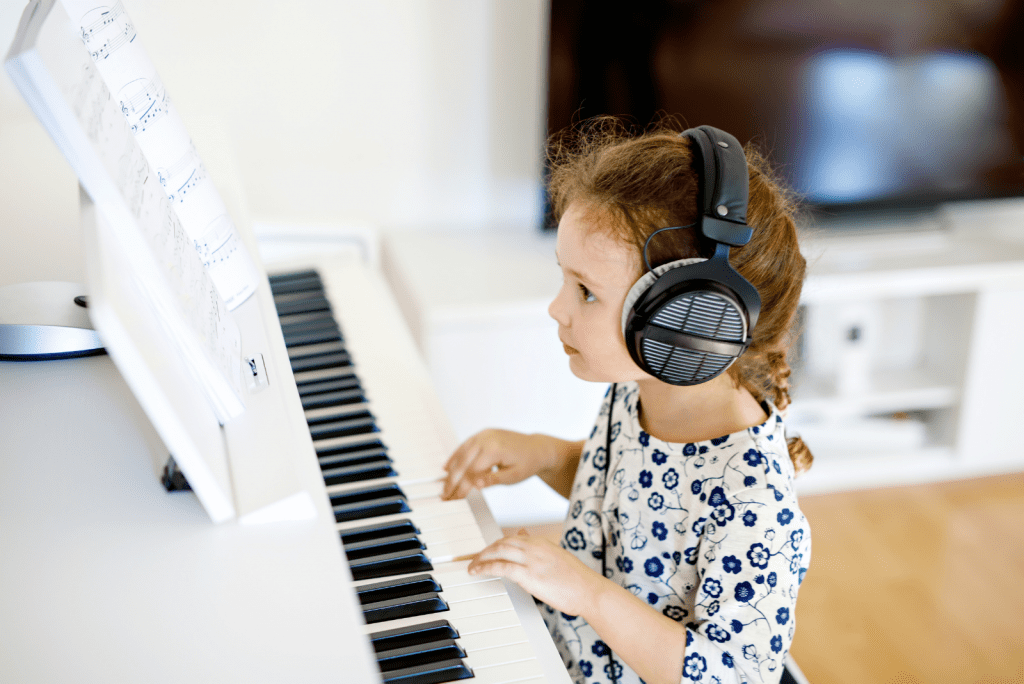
point(913, 585)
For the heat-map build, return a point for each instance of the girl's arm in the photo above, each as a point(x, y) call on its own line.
point(650, 643)
point(493, 457)
point(564, 461)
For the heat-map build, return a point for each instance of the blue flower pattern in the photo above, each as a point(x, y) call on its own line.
point(709, 534)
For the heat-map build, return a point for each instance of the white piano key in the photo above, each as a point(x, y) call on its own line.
point(349, 440)
point(448, 575)
point(469, 530)
point(471, 592)
point(503, 672)
point(340, 411)
point(499, 655)
point(493, 638)
point(423, 490)
point(413, 491)
point(455, 550)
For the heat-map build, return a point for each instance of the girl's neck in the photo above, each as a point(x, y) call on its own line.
point(696, 413)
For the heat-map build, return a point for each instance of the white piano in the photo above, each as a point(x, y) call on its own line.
point(105, 576)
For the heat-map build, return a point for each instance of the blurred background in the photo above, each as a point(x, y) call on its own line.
point(412, 131)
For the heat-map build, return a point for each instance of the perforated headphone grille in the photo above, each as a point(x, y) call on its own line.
point(681, 366)
point(702, 313)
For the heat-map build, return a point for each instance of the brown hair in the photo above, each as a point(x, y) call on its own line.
point(648, 181)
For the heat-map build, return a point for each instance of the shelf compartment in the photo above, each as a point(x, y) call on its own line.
point(889, 391)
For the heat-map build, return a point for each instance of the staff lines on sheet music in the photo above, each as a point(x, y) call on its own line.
point(122, 37)
point(147, 105)
point(106, 18)
point(170, 176)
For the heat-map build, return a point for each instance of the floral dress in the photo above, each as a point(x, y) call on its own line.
point(708, 534)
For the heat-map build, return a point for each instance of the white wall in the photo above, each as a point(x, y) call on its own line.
point(395, 113)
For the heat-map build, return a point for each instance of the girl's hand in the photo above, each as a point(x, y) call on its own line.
point(546, 571)
point(493, 457)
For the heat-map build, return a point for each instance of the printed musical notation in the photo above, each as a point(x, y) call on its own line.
point(105, 30)
point(147, 104)
point(124, 67)
point(183, 176)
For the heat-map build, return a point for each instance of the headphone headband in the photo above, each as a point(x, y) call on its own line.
point(686, 321)
point(725, 187)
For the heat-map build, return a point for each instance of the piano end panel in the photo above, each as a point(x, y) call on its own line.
point(266, 484)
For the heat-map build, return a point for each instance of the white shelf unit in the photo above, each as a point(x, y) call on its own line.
point(907, 370)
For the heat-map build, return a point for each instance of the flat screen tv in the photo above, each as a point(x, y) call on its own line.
point(863, 106)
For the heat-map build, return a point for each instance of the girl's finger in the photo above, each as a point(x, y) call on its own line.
point(460, 462)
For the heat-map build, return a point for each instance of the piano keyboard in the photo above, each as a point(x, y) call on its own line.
point(427, 619)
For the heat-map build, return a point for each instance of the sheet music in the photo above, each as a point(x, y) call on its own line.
point(72, 99)
point(132, 80)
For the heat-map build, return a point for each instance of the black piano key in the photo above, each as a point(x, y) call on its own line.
point(304, 305)
point(383, 545)
point(279, 286)
point(387, 529)
point(312, 337)
point(339, 398)
point(397, 563)
point(369, 502)
point(357, 473)
point(314, 325)
point(293, 275)
point(352, 454)
point(406, 606)
point(357, 424)
point(324, 417)
point(410, 656)
point(397, 588)
point(412, 635)
point(429, 673)
point(371, 509)
point(299, 295)
point(344, 382)
point(296, 285)
point(335, 360)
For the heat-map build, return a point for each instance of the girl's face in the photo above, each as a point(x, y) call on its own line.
point(597, 272)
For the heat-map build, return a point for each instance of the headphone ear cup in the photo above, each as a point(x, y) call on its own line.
point(692, 337)
point(692, 332)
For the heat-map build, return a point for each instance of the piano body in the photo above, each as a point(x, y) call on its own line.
point(106, 576)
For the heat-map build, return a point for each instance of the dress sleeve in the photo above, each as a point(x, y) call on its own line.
point(751, 558)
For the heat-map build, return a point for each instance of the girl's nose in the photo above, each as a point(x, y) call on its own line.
point(557, 310)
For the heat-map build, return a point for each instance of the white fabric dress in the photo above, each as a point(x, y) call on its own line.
point(708, 534)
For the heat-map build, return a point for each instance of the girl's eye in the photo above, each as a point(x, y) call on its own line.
point(588, 296)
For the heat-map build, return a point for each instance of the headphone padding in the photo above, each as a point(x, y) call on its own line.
point(645, 281)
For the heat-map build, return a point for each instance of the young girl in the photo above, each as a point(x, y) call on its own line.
point(684, 545)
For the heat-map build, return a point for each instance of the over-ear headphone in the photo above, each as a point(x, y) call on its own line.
point(685, 322)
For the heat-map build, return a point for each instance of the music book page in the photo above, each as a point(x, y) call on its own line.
point(109, 35)
point(101, 138)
